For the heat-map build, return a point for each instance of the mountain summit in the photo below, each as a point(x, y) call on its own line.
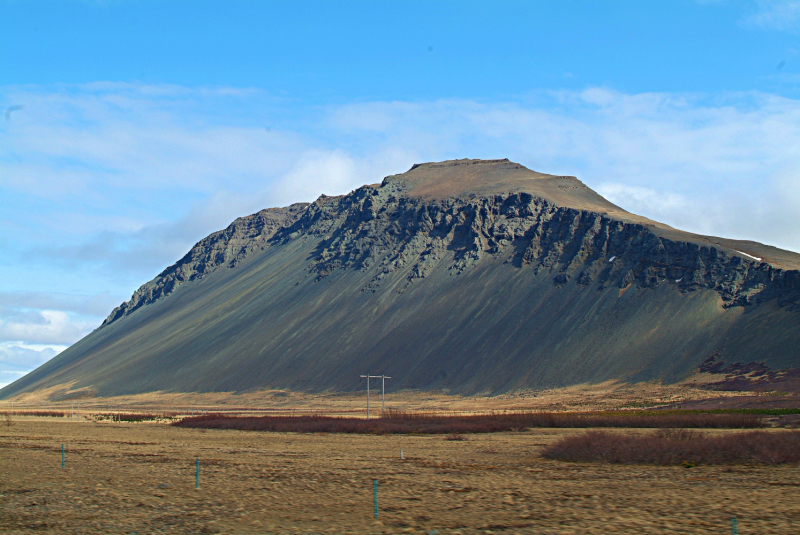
point(465, 275)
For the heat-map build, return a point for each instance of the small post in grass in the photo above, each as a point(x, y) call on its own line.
point(375, 495)
point(62, 455)
point(734, 526)
point(197, 473)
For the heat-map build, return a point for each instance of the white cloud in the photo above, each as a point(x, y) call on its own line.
point(90, 305)
point(783, 15)
point(23, 356)
point(316, 173)
point(80, 141)
point(334, 173)
point(646, 199)
point(44, 327)
point(36, 326)
point(17, 359)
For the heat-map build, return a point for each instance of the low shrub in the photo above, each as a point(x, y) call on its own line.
point(676, 447)
point(401, 422)
point(23, 412)
point(143, 417)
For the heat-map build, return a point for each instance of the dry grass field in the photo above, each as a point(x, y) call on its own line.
point(610, 395)
point(140, 478)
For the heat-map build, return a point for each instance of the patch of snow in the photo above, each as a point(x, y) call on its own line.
point(749, 255)
point(679, 280)
point(611, 259)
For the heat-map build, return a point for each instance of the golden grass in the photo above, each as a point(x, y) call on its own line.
point(603, 396)
point(139, 477)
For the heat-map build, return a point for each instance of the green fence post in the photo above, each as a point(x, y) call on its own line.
point(375, 495)
point(197, 473)
point(734, 526)
point(62, 455)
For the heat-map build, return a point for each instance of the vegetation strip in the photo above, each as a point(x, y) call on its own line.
point(399, 422)
point(678, 446)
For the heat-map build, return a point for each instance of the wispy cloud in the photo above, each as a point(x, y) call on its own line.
point(783, 15)
point(90, 305)
point(119, 174)
point(17, 359)
point(43, 326)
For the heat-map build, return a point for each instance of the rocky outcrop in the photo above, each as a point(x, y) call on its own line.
point(225, 248)
point(372, 229)
point(380, 229)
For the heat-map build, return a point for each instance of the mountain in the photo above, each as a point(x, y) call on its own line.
point(471, 276)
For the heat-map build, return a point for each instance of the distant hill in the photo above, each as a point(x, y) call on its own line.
point(472, 276)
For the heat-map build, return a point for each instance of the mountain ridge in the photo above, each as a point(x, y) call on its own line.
point(260, 227)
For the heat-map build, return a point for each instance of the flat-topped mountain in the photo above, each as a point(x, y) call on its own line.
point(467, 275)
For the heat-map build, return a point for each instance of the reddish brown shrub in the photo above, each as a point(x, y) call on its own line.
point(678, 447)
point(397, 422)
point(23, 412)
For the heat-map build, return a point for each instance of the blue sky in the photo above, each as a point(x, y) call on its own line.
point(132, 129)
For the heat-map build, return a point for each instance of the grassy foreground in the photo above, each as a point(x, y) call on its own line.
point(141, 478)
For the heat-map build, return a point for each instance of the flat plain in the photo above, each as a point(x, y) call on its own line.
point(609, 395)
point(140, 478)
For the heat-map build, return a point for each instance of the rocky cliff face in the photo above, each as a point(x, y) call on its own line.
point(382, 230)
point(372, 228)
